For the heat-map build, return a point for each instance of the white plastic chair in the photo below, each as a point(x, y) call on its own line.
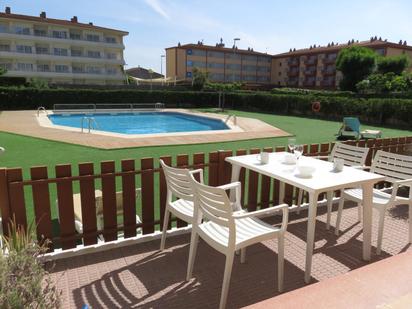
point(179, 185)
point(228, 231)
point(352, 156)
point(398, 171)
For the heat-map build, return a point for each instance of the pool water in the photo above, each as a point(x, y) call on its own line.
point(141, 123)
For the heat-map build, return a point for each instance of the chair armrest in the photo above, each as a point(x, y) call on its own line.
point(257, 213)
point(400, 183)
point(198, 171)
point(362, 167)
point(322, 157)
point(236, 205)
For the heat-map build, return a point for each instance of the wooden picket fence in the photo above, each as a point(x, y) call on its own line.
point(17, 194)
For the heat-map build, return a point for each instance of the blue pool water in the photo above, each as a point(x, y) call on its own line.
point(141, 123)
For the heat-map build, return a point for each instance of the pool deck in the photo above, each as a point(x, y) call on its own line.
point(27, 123)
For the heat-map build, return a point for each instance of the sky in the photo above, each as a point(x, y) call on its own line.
point(266, 26)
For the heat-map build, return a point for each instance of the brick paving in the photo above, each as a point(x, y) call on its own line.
point(141, 276)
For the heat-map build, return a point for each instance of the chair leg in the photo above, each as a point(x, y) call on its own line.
point(226, 279)
point(380, 231)
point(281, 261)
point(329, 196)
point(194, 241)
point(339, 216)
point(300, 198)
point(243, 255)
point(165, 224)
point(359, 212)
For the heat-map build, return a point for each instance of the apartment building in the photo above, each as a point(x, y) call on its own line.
point(222, 64)
point(312, 67)
point(60, 51)
point(315, 67)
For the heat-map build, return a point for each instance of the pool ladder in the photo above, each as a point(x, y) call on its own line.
point(234, 119)
point(90, 122)
point(41, 109)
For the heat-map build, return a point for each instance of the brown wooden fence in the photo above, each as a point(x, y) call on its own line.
point(18, 195)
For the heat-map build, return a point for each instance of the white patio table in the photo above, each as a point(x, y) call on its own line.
point(324, 179)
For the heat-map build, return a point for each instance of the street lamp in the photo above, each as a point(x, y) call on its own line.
point(161, 65)
point(234, 54)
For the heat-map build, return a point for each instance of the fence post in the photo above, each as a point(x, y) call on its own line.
point(147, 195)
point(5, 211)
point(225, 169)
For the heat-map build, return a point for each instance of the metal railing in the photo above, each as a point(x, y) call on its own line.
point(39, 109)
point(107, 107)
point(90, 122)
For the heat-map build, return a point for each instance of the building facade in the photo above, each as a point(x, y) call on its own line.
point(313, 67)
point(222, 64)
point(60, 51)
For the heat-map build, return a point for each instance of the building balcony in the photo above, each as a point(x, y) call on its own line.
point(329, 72)
point(51, 56)
point(43, 73)
point(329, 60)
point(293, 62)
point(310, 72)
point(309, 83)
point(292, 73)
point(4, 34)
point(328, 83)
point(311, 61)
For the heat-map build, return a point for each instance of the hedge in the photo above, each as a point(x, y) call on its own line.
point(12, 81)
point(382, 111)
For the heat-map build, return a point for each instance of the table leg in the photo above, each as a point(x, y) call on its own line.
point(235, 177)
point(329, 197)
point(281, 192)
point(367, 190)
point(310, 239)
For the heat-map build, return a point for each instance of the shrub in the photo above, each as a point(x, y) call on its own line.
point(199, 79)
point(393, 64)
point(24, 283)
point(12, 81)
point(355, 63)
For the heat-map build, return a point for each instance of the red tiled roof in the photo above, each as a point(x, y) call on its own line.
point(217, 48)
point(58, 22)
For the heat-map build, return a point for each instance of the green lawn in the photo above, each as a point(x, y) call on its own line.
point(25, 152)
point(22, 151)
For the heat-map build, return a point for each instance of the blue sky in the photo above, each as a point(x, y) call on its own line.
point(272, 26)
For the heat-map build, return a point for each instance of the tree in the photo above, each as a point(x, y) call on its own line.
point(2, 71)
point(395, 64)
point(199, 79)
point(355, 63)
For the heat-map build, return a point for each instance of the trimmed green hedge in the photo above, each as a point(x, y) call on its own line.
point(12, 81)
point(382, 111)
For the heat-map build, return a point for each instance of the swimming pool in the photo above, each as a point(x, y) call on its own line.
point(141, 122)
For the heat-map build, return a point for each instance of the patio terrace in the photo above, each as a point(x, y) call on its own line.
point(140, 276)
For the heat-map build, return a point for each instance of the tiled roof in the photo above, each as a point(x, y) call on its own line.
point(62, 22)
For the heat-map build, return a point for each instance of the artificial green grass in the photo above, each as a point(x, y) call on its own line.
point(25, 152)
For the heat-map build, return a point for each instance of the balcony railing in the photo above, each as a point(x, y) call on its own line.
point(293, 62)
point(67, 37)
point(329, 60)
point(293, 73)
point(311, 61)
point(310, 72)
point(103, 72)
point(60, 55)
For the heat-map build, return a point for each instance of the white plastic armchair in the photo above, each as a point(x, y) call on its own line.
point(352, 156)
point(228, 231)
point(398, 171)
point(178, 181)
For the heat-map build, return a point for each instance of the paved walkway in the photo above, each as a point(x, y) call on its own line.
point(26, 123)
point(141, 276)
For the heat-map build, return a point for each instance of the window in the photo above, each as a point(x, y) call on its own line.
point(43, 68)
point(214, 54)
point(110, 39)
point(233, 56)
point(40, 32)
point(61, 68)
point(263, 69)
point(197, 64)
point(3, 28)
point(25, 66)
point(75, 36)
point(264, 59)
point(263, 79)
point(22, 30)
point(23, 49)
point(196, 52)
point(249, 78)
point(76, 53)
point(233, 66)
point(250, 58)
point(217, 76)
point(42, 50)
point(111, 71)
point(93, 54)
point(189, 63)
point(4, 47)
point(280, 64)
point(189, 74)
point(111, 56)
point(59, 34)
point(249, 68)
point(280, 73)
point(60, 51)
point(94, 70)
point(6, 66)
point(77, 69)
point(215, 65)
point(93, 37)
point(380, 51)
